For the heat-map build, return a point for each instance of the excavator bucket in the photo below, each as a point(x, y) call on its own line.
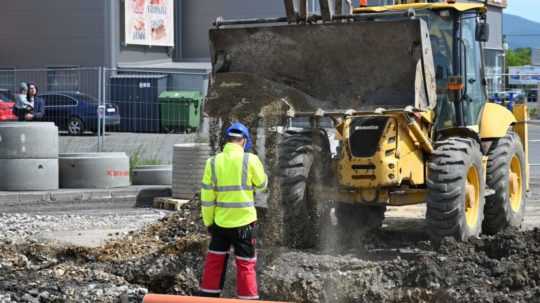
point(357, 65)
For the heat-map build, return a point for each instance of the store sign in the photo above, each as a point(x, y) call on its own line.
point(149, 22)
point(524, 75)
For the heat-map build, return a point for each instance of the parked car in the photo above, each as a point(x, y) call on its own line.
point(7, 102)
point(76, 112)
point(532, 95)
point(6, 95)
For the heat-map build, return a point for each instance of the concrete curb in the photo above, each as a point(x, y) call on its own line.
point(73, 199)
point(534, 122)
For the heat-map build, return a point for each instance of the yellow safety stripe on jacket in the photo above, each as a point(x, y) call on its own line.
point(223, 202)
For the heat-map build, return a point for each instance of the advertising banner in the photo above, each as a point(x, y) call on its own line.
point(149, 22)
point(524, 75)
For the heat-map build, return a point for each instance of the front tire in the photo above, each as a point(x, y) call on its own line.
point(506, 176)
point(304, 163)
point(455, 183)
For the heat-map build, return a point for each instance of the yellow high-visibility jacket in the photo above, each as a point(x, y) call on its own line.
point(228, 184)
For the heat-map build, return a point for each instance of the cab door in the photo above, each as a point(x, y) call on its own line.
point(472, 71)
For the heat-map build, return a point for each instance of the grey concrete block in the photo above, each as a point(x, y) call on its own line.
point(94, 170)
point(28, 140)
point(187, 175)
point(152, 175)
point(28, 174)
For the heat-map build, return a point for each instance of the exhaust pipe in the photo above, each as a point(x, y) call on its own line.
point(153, 298)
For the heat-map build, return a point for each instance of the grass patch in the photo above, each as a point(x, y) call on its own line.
point(533, 113)
point(136, 160)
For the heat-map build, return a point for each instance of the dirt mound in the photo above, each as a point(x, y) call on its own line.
point(388, 266)
point(503, 268)
point(164, 257)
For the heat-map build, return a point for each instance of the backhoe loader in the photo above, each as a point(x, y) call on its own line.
point(402, 89)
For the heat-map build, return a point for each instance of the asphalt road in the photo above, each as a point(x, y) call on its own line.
point(534, 150)
point(532, 215)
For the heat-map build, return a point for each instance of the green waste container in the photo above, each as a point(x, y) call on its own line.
point(180, 110)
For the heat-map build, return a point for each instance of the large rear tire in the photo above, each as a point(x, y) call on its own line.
point(506, 176)
point(305, 164)
point(455, 198)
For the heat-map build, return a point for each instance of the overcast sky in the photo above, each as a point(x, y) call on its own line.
point(529, 9)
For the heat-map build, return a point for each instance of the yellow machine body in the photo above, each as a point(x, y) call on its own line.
point(377, 67)
point(496, 120)
point(395, 174)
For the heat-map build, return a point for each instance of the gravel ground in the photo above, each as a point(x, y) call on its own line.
point(163, 257)
point(19, 227)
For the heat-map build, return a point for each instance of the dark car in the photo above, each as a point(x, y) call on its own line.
point(6, 95)
point(532, 95)
point(76, 112)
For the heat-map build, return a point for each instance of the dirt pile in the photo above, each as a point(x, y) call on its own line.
point(164, 257)
point(388, 266)
point(504, 268)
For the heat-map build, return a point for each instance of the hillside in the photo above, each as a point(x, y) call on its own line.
point(517, 25)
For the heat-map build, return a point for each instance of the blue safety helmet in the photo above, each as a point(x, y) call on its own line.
point(239, 130)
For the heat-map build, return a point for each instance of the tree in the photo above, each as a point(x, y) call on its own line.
point(518, 57)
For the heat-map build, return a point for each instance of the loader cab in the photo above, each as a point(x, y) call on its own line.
point(457, 51)
point(457, 31)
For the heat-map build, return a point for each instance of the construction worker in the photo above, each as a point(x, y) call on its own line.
point(228, 210)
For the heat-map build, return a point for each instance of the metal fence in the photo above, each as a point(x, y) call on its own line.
point(146, 112)
point(68, 94)
point(99, 109)
point(137, 110)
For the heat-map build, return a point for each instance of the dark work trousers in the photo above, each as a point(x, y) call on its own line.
point(242, 239)
point(21, 113)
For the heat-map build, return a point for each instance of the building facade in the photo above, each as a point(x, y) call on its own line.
point(69, 34)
